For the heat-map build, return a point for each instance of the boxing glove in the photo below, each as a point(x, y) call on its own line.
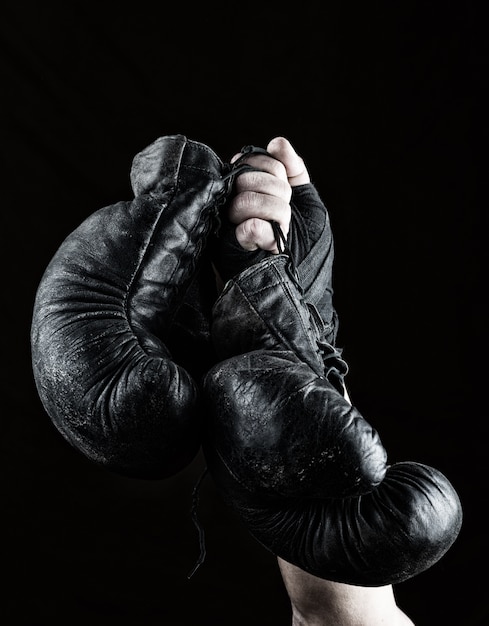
point(299, 465)
point(119, 316)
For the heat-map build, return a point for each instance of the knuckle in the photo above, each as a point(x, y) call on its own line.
point(250, 233)
point(248, 181)
point(246, 201)
point(285, 190)
point(253, 229)
point(257, 233)
point(278, 169)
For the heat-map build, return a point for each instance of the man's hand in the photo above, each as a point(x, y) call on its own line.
point(263, 196)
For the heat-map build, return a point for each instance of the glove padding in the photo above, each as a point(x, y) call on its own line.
point(104, 311)
point(300, 466)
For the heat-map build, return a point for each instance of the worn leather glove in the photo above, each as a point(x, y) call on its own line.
point(119, 316)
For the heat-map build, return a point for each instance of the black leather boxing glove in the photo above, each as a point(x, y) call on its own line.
point(111, 303)
point(300, 466)
point(276, 395)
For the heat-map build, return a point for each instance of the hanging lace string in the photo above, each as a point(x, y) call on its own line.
point(284, 248)
point(197, 524)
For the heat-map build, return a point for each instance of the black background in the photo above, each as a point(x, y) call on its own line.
point(386, 104)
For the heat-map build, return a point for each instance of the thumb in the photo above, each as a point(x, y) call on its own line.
point(281, 149)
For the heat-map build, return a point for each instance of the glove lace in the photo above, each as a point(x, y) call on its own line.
point(335, 366)
point(197, 524)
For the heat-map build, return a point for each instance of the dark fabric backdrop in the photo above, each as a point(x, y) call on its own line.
point(386, 103)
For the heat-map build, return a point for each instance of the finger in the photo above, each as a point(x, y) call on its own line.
point(295, 168)
point(265, 183)
point(256, 233)
point(249, 204)
point(266, 164)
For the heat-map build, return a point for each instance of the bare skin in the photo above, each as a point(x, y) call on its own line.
point(260, 197)
point(318, 602)
point(265, 195)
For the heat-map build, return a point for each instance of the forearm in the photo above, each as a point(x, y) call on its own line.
point(319, 602)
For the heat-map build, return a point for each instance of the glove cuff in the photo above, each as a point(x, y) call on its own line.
point(264, 308)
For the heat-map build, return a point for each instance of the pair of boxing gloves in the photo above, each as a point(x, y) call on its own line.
point(139, 362)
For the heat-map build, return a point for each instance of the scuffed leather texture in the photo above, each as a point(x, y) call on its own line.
point(299, 465)
point(264, 307)
point(278, 423)
point(395, 532)
point(283, 431)
point(105, 309)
